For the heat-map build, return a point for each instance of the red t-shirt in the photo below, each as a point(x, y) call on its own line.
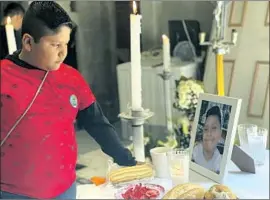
point(39, 158)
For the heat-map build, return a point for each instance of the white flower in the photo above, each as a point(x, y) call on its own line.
point(196, 88)
point(195, 101)
point(181, 103)
point(182, 83)
point(198, 93)
point(182, 96)
point(189, 96)
point(185, 104)
point(188, 93)
point(189, 83)
point(184, 89)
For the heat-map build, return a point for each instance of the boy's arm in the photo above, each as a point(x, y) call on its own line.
point(98, 126)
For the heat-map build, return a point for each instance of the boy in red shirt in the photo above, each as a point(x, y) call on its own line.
point(40, 100)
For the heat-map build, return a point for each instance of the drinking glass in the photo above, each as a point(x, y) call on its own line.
point(257, 145)
point(178, 160)
point(243, 131)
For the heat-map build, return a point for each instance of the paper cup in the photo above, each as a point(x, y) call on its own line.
point(160, 161)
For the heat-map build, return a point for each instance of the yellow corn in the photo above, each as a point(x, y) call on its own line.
point(126, 174)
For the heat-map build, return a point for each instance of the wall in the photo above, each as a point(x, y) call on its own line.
point(246, 66)
point(157, 13)
point(96, 46)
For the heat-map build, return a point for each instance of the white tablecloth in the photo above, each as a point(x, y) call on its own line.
point(244, 185)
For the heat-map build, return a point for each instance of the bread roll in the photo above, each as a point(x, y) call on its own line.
point(185, 191)
point(219, 192)
point(126, 174)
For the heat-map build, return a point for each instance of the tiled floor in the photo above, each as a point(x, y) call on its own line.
point(91, 156)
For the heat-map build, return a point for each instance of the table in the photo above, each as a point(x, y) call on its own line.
point(244, 185)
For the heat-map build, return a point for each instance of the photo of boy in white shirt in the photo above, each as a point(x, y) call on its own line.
point(205, 153)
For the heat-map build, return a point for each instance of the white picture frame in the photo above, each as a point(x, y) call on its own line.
point(230, 106)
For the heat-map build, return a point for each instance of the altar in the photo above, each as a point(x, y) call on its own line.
point(141, 83)
point(152, 90)
point(244, 185)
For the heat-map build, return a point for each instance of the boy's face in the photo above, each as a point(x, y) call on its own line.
point(51, 50)
point(16, 21)
point(211, 133)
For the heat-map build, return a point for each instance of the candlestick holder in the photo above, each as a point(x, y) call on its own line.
point(219, 46)
point(137, 119)
point(166, 76)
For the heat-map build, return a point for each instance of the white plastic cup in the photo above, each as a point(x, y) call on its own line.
point(243, 131)
point(257, 145)
point(160, 161)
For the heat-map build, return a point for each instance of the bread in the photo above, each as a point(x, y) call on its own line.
point(219, 192)
point(127, 174)
point(185, 191)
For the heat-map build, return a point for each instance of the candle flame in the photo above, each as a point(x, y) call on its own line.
point(8, 20)
point(134, 7)
point(165, 37)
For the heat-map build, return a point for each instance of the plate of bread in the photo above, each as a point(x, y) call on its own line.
point(196, 191)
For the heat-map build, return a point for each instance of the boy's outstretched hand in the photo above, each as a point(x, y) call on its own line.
point(140, 163)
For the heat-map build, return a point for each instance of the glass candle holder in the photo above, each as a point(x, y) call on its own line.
point(178, 161)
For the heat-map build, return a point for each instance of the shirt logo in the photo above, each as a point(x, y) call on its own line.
point(73, 101)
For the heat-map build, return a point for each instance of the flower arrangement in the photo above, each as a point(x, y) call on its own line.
point(187, 94)
point(186, 101)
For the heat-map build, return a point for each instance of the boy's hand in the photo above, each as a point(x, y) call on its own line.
point(140, 163)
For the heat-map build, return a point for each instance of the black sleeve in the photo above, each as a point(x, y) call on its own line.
point(3, 46)
point(98, 126)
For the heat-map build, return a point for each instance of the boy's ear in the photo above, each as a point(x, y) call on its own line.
point(27, 42)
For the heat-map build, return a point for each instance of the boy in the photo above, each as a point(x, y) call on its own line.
point(16, 12)
point(206, 153)
point(40, 99)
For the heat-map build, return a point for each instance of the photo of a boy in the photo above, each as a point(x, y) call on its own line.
point(206, 153)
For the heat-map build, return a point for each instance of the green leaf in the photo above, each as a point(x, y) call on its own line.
point(183, 78)
point(159, 142)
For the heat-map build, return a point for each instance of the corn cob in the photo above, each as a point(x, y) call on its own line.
point(185, 191)
point(127, 174)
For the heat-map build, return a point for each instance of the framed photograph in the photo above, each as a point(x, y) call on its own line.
point(213, 132)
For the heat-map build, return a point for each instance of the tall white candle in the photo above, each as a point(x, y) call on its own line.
point(11, 40)
point(136, 72)
point(166, 53)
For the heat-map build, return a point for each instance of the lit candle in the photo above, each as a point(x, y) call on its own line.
point(11, 41)
point(166, 53)
point(136, 72)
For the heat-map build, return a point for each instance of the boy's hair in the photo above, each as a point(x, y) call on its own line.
point(13, 9)
point(215, 111)
point(44, 18)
